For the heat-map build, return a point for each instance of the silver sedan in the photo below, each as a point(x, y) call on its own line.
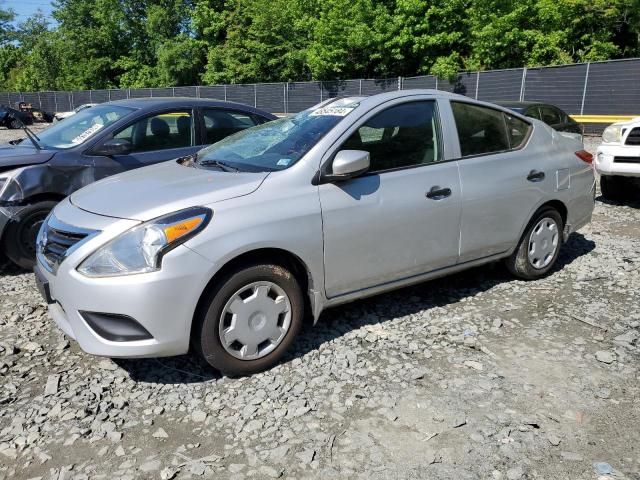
point(228, 250)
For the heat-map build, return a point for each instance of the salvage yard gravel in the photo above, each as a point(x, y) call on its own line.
point(473, 376)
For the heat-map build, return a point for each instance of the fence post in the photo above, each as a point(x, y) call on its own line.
point(523, 84)
point(360, 91)
point(39, 101)
point(584, 90)
point(109, 94)
point(477, 83)
point(255, 95)
point(128, 93)
point(71, 103)
point(436, 82)
point(197, 91)
point(399, 83)
point(173, 91)
point(55, 101)
point(320, 91)
point(286, 98)
point(225, 93)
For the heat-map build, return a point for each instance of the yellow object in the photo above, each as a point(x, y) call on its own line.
point(602, 118)
point(177, 230)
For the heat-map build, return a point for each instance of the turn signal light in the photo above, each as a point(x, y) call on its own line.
point(177, 230)
point(584, 156)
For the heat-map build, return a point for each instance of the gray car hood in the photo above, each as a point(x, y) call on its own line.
point(19, 156)
point(149, 192)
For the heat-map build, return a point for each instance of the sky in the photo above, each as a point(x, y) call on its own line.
point(25, 8)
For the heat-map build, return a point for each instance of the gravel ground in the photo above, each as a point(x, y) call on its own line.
point(474, 376)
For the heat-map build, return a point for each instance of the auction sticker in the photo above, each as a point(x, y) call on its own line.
point(87, 133)
point(332, 112)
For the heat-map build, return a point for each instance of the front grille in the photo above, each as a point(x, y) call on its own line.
point(634, 137)
point(626, 159)
point(56, 240)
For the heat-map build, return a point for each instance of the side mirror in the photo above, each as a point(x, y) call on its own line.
point(114, 146)
point(347, 164)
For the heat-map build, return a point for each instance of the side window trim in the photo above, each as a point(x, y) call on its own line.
point(524, 142)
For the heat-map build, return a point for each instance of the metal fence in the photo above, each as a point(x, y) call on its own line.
point(598, 88)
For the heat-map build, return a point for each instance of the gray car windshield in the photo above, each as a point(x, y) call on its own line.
point(274, 145)
point(81, 126)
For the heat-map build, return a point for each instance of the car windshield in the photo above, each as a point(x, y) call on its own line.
point(274, 145)
point(80, 127)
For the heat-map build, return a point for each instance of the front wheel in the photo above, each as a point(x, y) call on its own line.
point(539, 246)
point(15, 124)
point(19, 240)
point(250, 319)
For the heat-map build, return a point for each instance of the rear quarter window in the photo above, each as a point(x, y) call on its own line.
point(518, 131)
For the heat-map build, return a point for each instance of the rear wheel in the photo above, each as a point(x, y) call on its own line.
point(19, 239)
point(15, 124)
point(539, 247)
point(250, 319)
point(613, 187)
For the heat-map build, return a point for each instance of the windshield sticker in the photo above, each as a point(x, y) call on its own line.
point(283, 162)
point(87, 133)
point(332, 112)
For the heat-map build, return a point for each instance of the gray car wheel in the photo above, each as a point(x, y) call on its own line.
point(539, 246)
point(249, 319)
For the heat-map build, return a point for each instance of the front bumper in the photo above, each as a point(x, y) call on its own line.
point(162, 302)
point(618, 160)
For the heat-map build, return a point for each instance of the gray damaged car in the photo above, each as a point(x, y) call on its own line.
point(42, 169)
point(228, 250)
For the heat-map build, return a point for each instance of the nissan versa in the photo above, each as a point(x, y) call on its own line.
point(225, 251)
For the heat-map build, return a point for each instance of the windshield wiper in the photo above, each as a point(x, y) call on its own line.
point(32, 136)
point(220, 164)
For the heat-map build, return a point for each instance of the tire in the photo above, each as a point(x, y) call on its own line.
point(15, 124)
point(538, 264)
point(19, 240)
point(248, 284)
point(613, 187)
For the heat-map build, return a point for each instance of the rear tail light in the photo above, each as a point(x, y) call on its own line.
point(585, 156)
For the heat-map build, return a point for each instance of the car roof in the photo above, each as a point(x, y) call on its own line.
point(152, 103)
point(374, 100)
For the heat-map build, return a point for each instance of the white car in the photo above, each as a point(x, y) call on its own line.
point(62, 115)
point(618, 159)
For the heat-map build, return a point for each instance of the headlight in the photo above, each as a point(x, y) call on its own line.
point(611, 134)
point(140, 249)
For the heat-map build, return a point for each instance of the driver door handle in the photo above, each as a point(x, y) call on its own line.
point(535, 176)
point(438, 193)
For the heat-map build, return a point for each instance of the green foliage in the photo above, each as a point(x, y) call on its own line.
point(155, 43)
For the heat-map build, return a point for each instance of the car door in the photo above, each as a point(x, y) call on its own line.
point(402, 217)
point(500, 179)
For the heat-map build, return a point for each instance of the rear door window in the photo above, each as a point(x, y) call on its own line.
point(481, 130)
point(551, 116)
point(220, 123)
point(533, 112)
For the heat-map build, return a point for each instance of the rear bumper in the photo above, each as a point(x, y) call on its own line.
point(618, 160)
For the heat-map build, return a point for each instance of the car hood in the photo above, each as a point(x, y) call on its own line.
point(149, 192)
point(19, 156)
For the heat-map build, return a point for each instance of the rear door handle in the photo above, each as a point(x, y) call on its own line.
point(438, 193)
point(535, 176)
